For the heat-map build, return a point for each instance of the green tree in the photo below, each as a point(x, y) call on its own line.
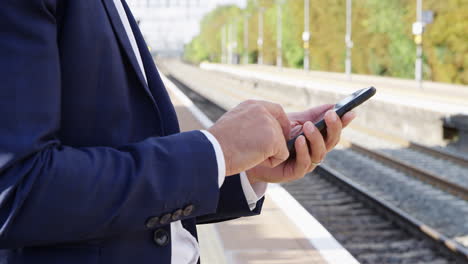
point(383, 41)
point(207, 45)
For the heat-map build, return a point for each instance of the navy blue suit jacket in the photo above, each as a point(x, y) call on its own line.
point(88, 150)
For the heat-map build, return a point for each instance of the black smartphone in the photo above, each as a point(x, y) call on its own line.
point(341, 108)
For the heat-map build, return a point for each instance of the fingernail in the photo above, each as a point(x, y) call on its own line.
point(352, 115)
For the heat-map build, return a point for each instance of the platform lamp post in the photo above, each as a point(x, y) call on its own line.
point(279, 30)
point(348, 40)
point(261, 10)
point(423, 18)
point(223, 44)
point(306, 34)
point(418, 29)
point(234, 42)
point(229, 44)
point(226, 43)
point(246, 38)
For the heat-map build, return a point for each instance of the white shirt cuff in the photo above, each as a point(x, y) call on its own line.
point(253, 192)
point(219, 157)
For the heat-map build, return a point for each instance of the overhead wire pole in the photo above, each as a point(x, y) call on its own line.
point(418, 29)
point(348, 40)
point(229, 45)
point(234, 42)
point(306, 34)
point(279, 38)
point(246, 38)
point(223, 45)
point(260, 35)
point(226, 32)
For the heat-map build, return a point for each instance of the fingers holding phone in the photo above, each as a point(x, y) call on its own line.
point(317, 146)
point(340, 110)
point(309, 148)
point(310, 151)
point(347, 118)
point(312, 146)
point(334, 127)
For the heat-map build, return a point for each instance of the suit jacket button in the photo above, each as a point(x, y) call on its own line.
point(152, 222)
point(161, 237)
point(176, 215)
point(165, 219)
point(188, 210)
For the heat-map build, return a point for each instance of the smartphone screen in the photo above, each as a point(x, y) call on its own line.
point(341, 108)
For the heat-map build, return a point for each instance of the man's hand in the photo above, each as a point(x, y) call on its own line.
point(253, 133)
point(306, 159)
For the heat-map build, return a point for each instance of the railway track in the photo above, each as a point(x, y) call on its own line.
point(444, 154)
point(422, 174)
point(373, 230)
point(462, 161)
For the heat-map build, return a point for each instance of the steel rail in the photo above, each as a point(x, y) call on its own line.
point(440, 154)
point(404, 143)
point(421, 174)
point(396, 215)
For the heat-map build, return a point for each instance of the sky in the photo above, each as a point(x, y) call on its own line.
point(169, 24)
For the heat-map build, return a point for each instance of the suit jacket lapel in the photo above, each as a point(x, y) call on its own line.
point(156, 86)
point(125, 42)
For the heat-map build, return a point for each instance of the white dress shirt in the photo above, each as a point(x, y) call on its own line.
point(185, 249)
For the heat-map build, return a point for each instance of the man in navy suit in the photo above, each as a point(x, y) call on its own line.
point(93, 167)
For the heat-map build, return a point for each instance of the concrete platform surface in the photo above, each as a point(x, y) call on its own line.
point(430, 91)
point(283, 234)
point(401, 113)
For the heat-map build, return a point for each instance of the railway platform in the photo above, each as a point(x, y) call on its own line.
point(284, 233)
point(431, 92)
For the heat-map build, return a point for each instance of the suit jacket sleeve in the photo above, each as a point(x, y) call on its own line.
point(232, 203)
point(52, 193)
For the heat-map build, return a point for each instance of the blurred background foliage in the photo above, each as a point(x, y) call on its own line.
point(383, 41)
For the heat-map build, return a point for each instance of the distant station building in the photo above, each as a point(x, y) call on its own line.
point(168, 25)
